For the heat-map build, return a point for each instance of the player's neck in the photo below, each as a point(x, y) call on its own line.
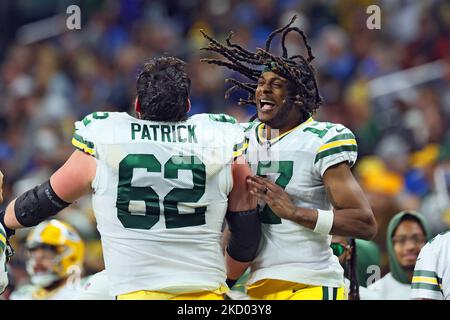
point(272, 133)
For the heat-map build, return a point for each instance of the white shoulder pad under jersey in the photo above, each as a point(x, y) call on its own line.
point(3, 273)
point(102, 128)
point(431, 278)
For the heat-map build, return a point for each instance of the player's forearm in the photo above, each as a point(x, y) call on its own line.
point(10, 217)
point(357, 223)
point(33, 207)
point(235, 269)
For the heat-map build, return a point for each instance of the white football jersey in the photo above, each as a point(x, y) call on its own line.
point(68, 291)
point(431, 278)
point(160, 197)
point(96, 287)
point(296, 161)
point(3, 273)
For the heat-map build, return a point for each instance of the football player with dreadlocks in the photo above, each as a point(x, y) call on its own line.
point(302, 174)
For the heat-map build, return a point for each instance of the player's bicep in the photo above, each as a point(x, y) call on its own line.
point(343, 191)
point(74, 178)
point(239, 198)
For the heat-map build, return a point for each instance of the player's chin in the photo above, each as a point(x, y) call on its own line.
point(266, 115)
point(409, 263)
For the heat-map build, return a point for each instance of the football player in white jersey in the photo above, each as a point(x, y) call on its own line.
point(431, 278)
point(302, 175)
point(162, 185)
point(3, 247)
point(55, 255)
point(3, 273)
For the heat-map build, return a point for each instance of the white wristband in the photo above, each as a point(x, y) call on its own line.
point(324, 221)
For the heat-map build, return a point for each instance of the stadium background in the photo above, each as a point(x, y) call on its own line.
point(389, 86)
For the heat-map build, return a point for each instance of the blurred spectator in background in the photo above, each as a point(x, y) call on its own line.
point(348, 253)
point(55, 254)
point(368, 261)
point(407, 234)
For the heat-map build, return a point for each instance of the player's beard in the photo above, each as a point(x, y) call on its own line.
point(409, 268)
point(43, 279)
point(281, 118)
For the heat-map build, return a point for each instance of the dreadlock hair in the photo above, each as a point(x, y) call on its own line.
point(353, 273)
point(163, 88)
point(302, 85)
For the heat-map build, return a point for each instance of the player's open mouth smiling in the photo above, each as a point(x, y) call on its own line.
point(266, 105)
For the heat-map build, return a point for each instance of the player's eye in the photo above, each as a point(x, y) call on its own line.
point(277, 85)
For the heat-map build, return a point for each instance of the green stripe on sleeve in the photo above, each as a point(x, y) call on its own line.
point(2, 246)
point(426, 286)
point(2, 232)
point(80, 139)
point(344, 136)
point(335, 150)
point(426, 273)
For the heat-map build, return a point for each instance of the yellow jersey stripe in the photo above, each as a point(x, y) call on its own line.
point(429, 280)
point(82, 146)
point(240, 151)
point(337, 144)
point(2, 239)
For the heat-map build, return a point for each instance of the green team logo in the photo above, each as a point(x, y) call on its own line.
point(96, 115)
point(285, 169)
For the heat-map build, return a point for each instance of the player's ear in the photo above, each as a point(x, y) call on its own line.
point(137, 106)
point(188, 105)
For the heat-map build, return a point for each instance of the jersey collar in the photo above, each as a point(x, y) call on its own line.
point(260, 129)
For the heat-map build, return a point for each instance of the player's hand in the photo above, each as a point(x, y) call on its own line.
point(272, 194)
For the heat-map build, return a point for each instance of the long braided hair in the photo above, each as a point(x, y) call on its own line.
point(297, 69)
point(353, 273)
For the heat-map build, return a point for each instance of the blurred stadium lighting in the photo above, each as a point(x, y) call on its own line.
point(408, 78)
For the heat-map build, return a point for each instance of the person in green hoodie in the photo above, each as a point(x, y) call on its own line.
point(407, 234)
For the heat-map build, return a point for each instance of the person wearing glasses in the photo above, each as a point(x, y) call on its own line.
point(407, 234)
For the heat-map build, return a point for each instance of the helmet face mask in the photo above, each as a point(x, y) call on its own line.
point(53, 249)
point(42, 264)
